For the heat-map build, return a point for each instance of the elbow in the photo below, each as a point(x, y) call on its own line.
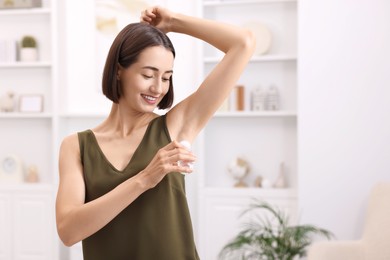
point(66, 237)
point(67, 242)
point(249, 41)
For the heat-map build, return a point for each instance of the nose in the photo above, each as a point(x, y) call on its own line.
point(157, 86)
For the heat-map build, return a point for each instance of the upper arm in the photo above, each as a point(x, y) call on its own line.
point(71, 190)
point(188, 117)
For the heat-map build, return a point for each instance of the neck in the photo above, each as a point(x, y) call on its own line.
point(124, 122)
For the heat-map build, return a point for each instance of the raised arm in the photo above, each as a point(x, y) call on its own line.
point(188, 117)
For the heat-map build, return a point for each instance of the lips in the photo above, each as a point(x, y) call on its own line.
point(149, 99)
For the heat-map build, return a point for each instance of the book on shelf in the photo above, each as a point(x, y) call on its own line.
point(238, 98)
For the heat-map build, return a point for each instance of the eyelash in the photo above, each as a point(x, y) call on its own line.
point(150, 77)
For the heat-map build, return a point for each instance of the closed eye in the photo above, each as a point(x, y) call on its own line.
point(147, 76)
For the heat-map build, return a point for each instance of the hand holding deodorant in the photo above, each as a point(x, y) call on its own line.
point(190, 165)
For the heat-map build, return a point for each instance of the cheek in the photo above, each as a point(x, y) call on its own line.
point(166, 88)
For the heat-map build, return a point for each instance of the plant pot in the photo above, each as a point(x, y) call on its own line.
point(28, 54)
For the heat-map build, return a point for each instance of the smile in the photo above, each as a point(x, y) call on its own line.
point(149, 99)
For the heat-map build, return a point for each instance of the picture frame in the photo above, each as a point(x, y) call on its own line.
point(32, 103)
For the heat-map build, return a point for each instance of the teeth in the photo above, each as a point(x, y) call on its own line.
point(149, 98)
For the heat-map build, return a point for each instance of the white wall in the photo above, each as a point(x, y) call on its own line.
point(81, 85)
point(344, 99)
point(344, 105)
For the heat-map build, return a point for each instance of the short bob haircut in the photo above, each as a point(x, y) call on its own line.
point(125, 50)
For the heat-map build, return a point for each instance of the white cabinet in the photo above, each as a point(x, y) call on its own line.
point(25, 132)
point(6, 230)
point(265, 138)
point(27, 222)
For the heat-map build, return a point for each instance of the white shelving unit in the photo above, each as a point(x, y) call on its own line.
point(264, 138)
point(27, 209)
point(31, 78)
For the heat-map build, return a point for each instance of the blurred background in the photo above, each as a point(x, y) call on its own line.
point(306, 129)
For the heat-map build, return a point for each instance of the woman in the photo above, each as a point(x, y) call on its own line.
point(121, 191)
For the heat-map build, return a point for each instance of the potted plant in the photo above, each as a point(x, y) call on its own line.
point(269, 236)
point(28, 50)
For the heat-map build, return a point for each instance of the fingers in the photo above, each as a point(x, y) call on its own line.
point(178, 157)
point(147, 15)
point(175, 152)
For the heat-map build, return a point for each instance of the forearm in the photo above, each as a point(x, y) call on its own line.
point(82, 221)
point(220, 35)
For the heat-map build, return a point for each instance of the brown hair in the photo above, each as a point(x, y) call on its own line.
point(125, 49)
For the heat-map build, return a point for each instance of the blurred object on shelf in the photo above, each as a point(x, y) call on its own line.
point(238, 168)
point(281, 180)
point(8, 50)
point(31, 103)
point(262, 34)
point(258, 99)
point(272, 101)
point(7, 102)
point(11, 169)
point(258, 181)
point(266, 183)
point(32, 174)
point(28, 49)
point(10, 4)
point(237, 98)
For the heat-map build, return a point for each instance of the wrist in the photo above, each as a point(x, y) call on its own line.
point(175, 21)
point(141, 182)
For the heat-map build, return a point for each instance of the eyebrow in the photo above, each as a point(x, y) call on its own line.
point(156, 69)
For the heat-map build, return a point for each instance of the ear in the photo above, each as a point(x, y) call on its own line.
point(119, 70)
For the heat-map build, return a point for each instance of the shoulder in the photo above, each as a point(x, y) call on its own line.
point(70, 143)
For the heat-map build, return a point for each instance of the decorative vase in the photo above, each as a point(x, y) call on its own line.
point(239, 169)
point(258, 99)
point(272, 99)
point(28, 54)
point(281, 180)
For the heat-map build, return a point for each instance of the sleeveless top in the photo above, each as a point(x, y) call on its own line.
point(157, 225)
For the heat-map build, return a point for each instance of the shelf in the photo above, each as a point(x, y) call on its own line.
point(26, 187)
point(17, 115)
point(256, 114)
point(251, 192)
point(238, 2)
point(82, 116)
point(264, 58)
point(25, 11)
point(38, 64)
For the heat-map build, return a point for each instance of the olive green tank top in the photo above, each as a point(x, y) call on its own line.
point(157, 225)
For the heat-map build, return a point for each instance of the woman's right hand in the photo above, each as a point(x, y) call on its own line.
point(166, 161)
point(158, 17)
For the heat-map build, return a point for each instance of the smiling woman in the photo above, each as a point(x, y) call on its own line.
point(121, 189)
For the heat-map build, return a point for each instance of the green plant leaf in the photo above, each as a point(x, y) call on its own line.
point(269, 236)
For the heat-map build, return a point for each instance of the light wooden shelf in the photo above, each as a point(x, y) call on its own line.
point(238, 114)
point(250, 192)
point(82, 116)
point(25, 11)
point(19, 64)
point(24, 186)
point(238, 2)
point(258, 58)
point(18, 115)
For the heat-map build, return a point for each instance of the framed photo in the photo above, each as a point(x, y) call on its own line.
point(31, 103)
